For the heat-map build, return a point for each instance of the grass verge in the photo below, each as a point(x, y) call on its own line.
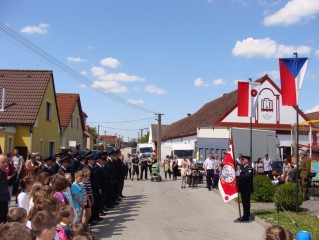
point(305, 221)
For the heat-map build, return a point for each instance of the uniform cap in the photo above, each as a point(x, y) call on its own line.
point(98, 156)
point(48, 159)
point(89, 157)
point(65, 159)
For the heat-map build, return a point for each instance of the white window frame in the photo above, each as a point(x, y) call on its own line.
point(48, 111)
point(41, 147)
point(10, 144)
point(51, 149)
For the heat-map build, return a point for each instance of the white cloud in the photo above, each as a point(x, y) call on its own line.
point(314, 109)
point(266, 48)
point(293, 12)
point(135, 89)
point(135, 101)
point(110, 62)
point(102, 74)
point(83, 73)
point(273, 74)
point(317, 53)
point(123, 77)
point(76, 59)
point(198, 82)
point(83, 86)
point(42, 28)
point(154, 89)
point(110, 86)
point(217, 82)
point(98, 71)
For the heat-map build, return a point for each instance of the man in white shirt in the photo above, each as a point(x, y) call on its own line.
point(267, 166)
point(209, 166)
point(18, 162)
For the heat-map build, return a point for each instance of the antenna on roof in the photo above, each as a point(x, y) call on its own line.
point(3, 99)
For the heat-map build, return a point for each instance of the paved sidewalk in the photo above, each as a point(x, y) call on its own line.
point(162, 210)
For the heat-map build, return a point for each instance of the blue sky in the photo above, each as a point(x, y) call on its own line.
point(168, 56)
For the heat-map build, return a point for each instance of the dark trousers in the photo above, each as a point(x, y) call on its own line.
point(4, 208)
point(209, 177)
point(169, 174)
point(96, 206)
point(143, 169)
point(129, 172)
point(245, 198)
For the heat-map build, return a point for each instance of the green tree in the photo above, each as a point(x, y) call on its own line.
point(93, 131)
point(145, 138)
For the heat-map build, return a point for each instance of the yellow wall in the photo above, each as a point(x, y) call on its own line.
point(72, 133)
point(44, 129)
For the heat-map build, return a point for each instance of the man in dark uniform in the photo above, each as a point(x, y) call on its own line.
point(305, 165)
point(75, 162)
point(96, 189)
point(56, 163)
point(65, 164)
point(48, 162)
point(245, 186)
point(111, 165)
point(101, 175)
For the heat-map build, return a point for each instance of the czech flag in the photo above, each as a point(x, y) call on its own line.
point(227, 184)
point(292, 72)
point(248, 93)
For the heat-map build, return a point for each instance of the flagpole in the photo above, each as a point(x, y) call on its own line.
point(297, 148)
point(251, 132)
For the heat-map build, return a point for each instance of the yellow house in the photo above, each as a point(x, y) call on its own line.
point(72, 121)
point(29, 119)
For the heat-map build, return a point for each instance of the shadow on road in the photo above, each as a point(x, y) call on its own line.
point(114, 221)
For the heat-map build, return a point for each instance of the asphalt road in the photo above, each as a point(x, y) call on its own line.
point(162, 210)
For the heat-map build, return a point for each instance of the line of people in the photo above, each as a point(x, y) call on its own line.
point(88, 185)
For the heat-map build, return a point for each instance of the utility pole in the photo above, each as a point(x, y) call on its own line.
point(98, 137)
point(104, 140)
point(159, 137)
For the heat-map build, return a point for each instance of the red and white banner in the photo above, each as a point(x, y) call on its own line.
point(227, 184)
point(248, 93)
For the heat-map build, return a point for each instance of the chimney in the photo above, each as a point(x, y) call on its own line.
point(3, 99)
point(189, 114)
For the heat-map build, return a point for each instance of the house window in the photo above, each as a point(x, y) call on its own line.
point(77, 123)
point(48, 111)
point(71, 123)
point(51, 148)
point(10, 144)
point(41, 148)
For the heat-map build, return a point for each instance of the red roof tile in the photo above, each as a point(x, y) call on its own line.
point(205, 116)
point(25, 90)
point(66, 103)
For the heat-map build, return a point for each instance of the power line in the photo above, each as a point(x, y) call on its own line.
point(121, 129)
point(126, 121)
point(37, 51)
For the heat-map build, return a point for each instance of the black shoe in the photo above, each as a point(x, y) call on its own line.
point(209, 189)
point(243, 219)
point(98, 219)
point(92, 223)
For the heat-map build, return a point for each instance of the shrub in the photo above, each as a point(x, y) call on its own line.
point(286, 196)
point(263, 189)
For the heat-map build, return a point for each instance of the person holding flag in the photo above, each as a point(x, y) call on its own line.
point(245, 174)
